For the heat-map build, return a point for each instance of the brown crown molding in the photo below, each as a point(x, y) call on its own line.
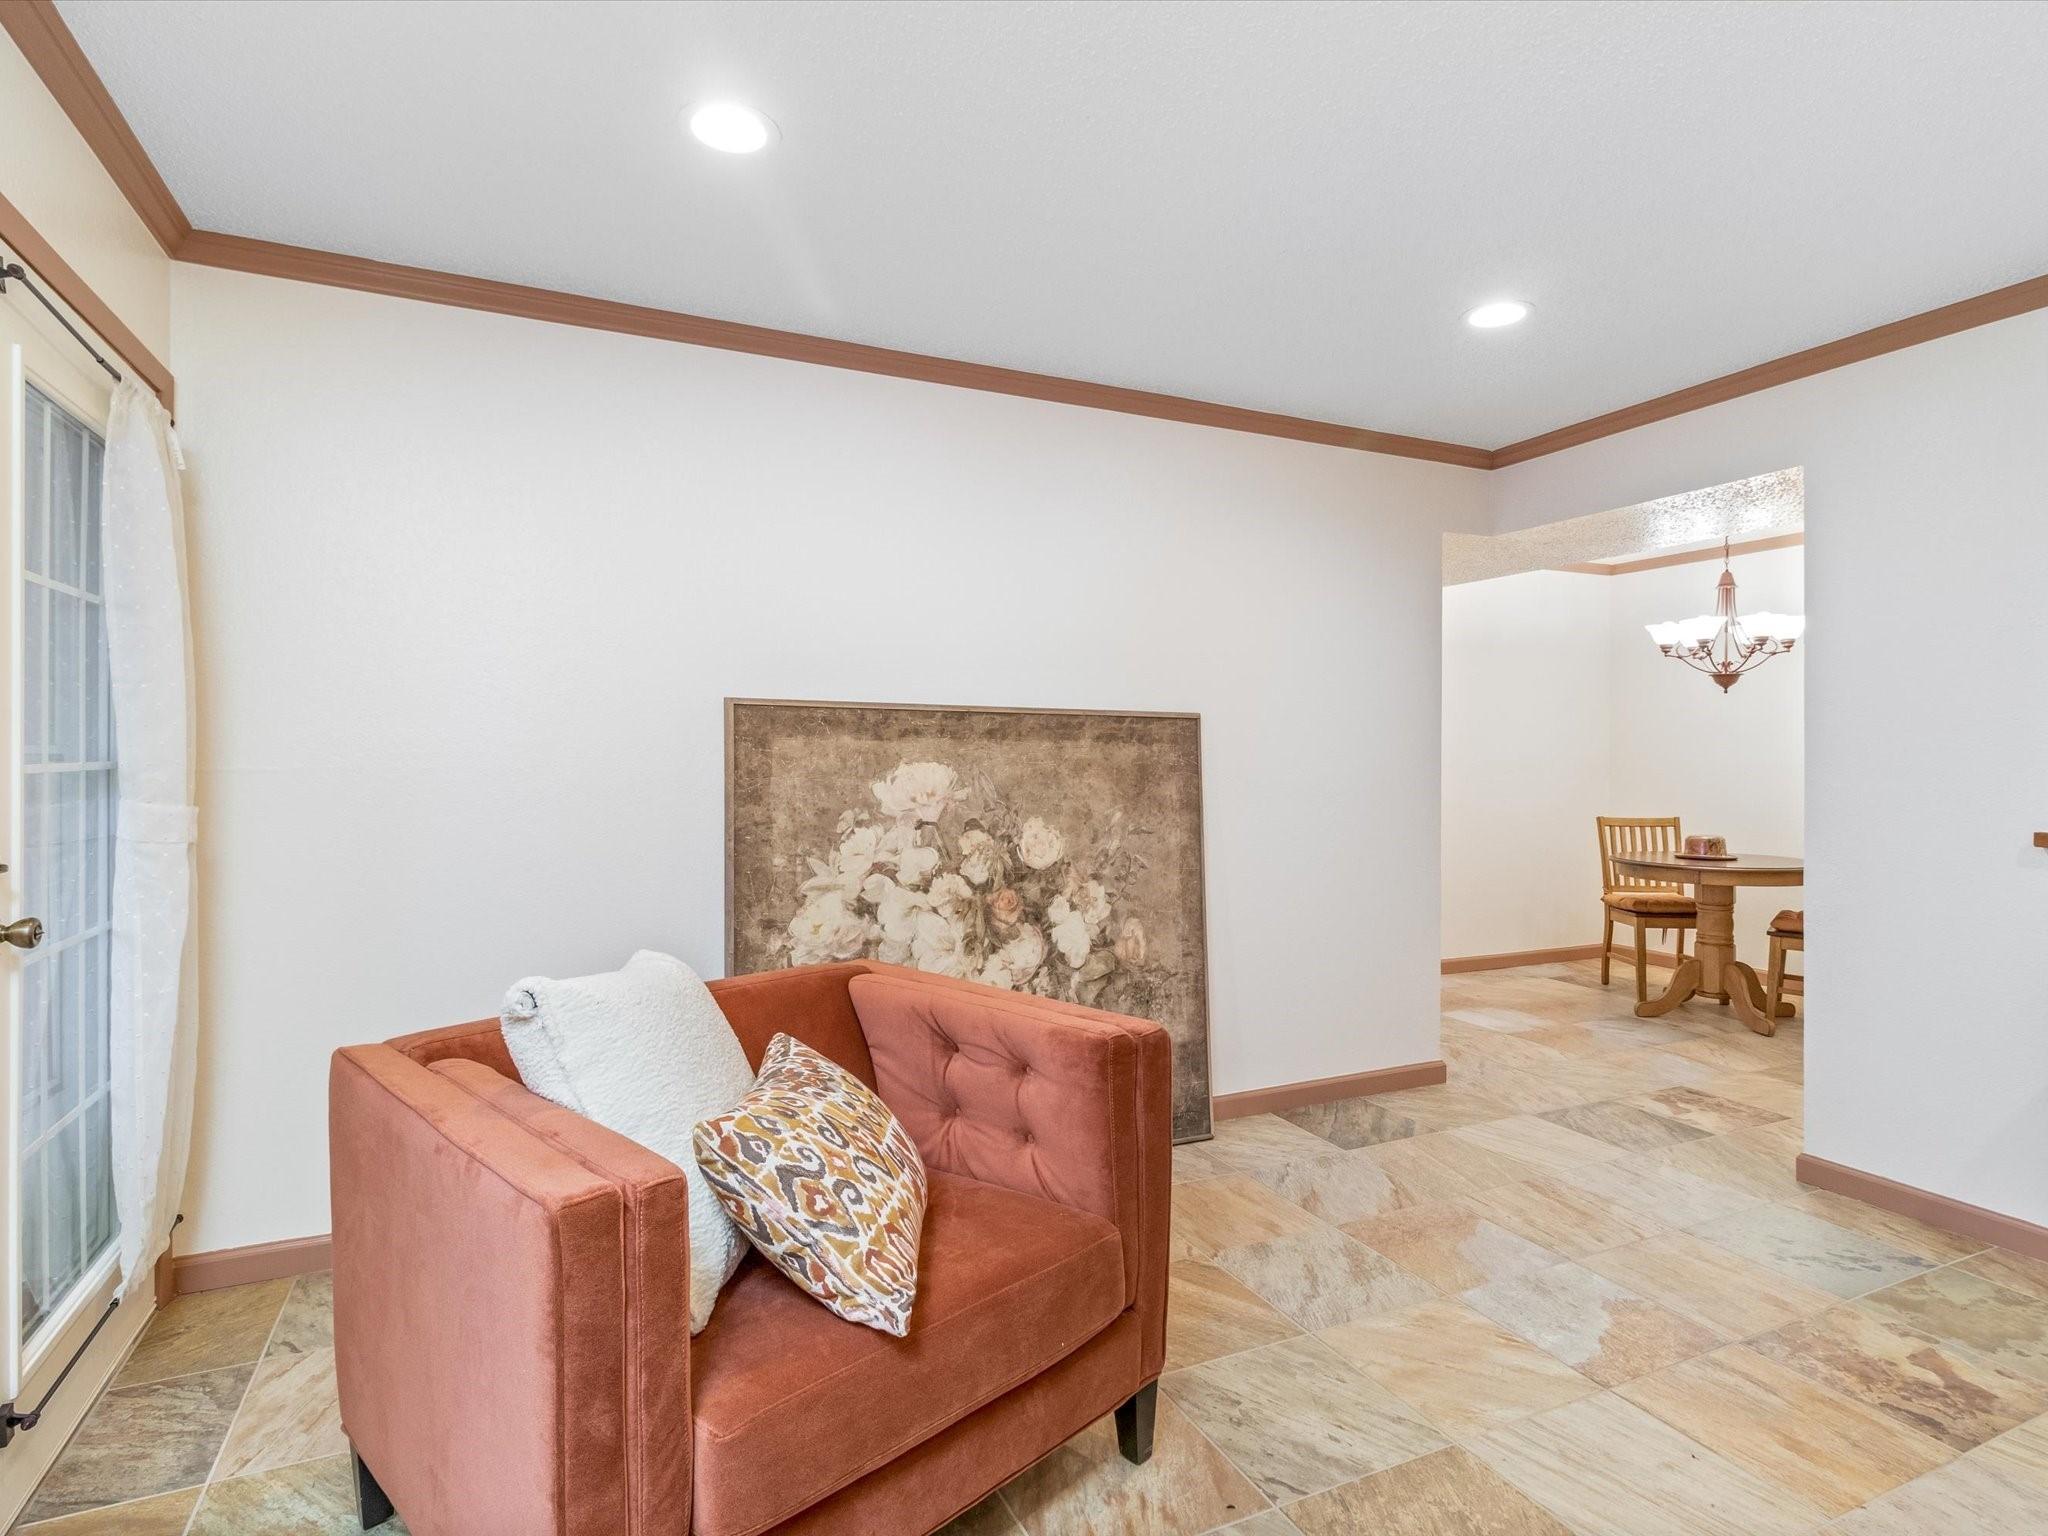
point(270, 259)
point(1966, 314)
point(39, 32)
point(1684, 557)
point(55, 273)
point(54, 53)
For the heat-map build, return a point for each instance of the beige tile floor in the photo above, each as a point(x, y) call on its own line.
point(1573, 1292)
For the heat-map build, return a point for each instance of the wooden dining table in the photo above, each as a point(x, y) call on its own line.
point(1712, 971)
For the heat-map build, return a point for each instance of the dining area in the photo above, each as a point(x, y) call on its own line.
point(1573, 700)
point(1653, 876)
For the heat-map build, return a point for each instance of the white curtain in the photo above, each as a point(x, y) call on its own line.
point(149, 664)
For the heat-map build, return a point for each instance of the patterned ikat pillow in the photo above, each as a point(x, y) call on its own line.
point(825, 1181)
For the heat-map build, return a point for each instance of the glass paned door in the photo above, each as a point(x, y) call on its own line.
point(62, 870)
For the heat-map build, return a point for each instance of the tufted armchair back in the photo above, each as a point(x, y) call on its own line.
point(999, 1088)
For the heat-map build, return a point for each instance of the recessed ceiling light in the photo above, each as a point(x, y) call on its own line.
point(730, 127)
point(1491, 317)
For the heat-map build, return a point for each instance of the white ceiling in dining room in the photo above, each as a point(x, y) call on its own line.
point(1286, 206)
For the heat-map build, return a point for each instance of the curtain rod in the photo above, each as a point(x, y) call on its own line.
point(15, 270)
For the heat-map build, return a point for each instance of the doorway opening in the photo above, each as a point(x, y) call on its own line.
point(1559, 709)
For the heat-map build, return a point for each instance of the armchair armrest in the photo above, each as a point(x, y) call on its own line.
point(1047, 1098)
point(487, 1246)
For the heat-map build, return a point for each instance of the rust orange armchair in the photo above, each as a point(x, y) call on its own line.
point(511, 1300)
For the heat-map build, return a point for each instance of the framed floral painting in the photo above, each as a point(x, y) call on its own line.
point(1057, 852)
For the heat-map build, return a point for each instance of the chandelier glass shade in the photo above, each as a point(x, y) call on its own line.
point(1722, 645)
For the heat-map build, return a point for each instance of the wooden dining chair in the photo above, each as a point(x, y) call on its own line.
point(1642, 904)
point(1787, 933)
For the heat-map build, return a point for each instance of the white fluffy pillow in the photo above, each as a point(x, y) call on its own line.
point(643, 1051)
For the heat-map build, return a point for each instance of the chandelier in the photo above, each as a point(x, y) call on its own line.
point(1723, 646)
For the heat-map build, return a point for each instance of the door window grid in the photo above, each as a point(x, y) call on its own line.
point(65, 865)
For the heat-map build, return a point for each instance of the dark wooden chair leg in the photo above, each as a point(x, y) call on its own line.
point(1134, 1424)
point(373, 1505)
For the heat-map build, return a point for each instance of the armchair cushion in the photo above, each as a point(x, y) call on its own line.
point(793, 1403)
point(644, 1051)
point(824, 1182)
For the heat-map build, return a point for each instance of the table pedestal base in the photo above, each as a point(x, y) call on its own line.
point(1713, 972)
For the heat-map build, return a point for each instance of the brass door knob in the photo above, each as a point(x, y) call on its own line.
point(23, 932)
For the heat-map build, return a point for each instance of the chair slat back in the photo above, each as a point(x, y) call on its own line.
point(1636, 837)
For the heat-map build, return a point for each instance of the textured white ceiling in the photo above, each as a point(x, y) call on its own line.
point(1756, 508)
point(1279, 205)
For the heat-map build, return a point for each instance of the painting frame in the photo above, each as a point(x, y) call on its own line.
point(1192, 849)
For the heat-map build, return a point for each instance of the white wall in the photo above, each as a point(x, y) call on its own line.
point(58, 183)
point(1926, 736)
point(1558, 709)
point(1525, 761)
point(471, 590)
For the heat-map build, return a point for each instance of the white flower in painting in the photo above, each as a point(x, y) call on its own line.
point(1093, 902)
point(915, 865)
point(1025, 953)
point(898, 910)
point(850, 864)
point(1016, 962)
point(949, 893)
point(939, 945)
point(827, 929)
point(889, 952)
point(979, 857)
point(917, 791)
point(1069, 931)
point(1038, 845)
point(900, 848)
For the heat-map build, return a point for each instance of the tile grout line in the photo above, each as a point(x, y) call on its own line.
point(1207, 1439)
point(43, 1525)
point(236, 1418)
point(105, 1391)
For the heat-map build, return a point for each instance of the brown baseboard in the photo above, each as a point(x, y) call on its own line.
point(2023, 1237)
point(242, 1266)
point(1512, 958)
point(1321, 1090)
point(1508, 961)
